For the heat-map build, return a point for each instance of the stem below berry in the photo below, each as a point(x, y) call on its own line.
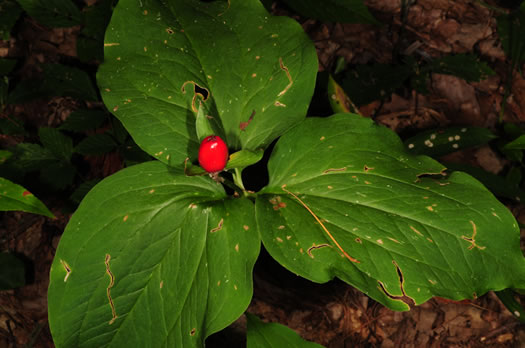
point(237, 179)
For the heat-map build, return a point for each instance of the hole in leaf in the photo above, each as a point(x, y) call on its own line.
point(202, 91)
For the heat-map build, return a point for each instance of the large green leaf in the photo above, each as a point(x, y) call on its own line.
point(345, 199)
point(53, 13)
point(152, 258)
point(15, 197)
point(258, 70)
point(273, 335)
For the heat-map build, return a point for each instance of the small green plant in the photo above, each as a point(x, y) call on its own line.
point(161, 254)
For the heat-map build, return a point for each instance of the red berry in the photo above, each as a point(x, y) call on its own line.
point(213, 154)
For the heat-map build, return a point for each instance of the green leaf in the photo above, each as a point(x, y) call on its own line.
point(53, 13)
point(244, 158)
point(258, 72)
point(511, 30)
point(271, 335)
point(497, 184)
point(152, 257)
point(82, 190)
point(516, 144)
point(465, 66)
point(239, 159)
point(368, 83)
point(30, 157)
point(90, 42)
point(12, 126)
point(97, 144)
point(57, 80)
point(9, 13)
point(12, 271)
point(15, 197)
point(438, 142)
point(339, 101)
point(507, 297)
point(4, 155)
point(202, 124)
point(55, 141)
point(83, 120)
point(346, 11)
point(346, 200)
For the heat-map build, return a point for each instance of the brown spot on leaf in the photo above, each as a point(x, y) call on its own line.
point(313, 247)
point(290, 81)
point(218, 228)
point(243, 125)
point(330, 170)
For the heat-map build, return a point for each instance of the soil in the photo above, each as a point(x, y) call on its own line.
point(332, 314)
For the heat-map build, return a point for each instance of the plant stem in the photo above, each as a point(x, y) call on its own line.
point(237, 179)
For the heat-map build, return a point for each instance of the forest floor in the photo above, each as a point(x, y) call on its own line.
point(333, 314)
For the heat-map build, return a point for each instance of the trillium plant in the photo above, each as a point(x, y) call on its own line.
point(161, 254)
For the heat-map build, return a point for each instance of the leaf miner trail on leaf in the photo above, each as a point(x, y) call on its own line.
point(108, 290)
point(322, 225)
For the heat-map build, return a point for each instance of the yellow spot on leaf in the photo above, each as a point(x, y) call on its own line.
point(125, 218)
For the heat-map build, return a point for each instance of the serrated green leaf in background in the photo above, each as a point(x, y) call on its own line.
point(258, 71)
point(465, 66)
point(96, 144)
point(12, 271)
point(438, 142)
point(82, 190)
point(273, 335)
point(345, 199)
point(57, 80)
point(53, 13)
point(83, 119)
point(367, 83)
point(10, 10)
point(12, 126)
point(57, 142)
point(30, 157)
point(15, 197)
point(152, 258)
point(90, 42)
point(345, 11)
